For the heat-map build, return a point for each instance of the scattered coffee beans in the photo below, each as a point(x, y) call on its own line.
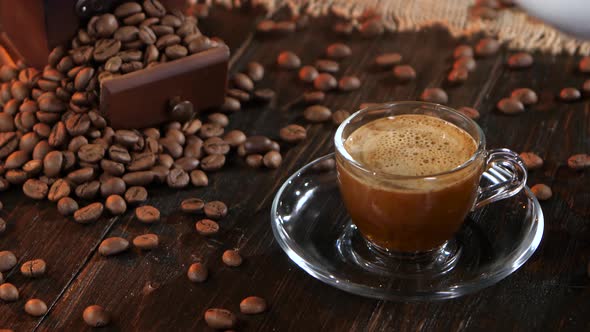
point(570, 94)
point(469, 112)
point(113, 246)
point(531, 160)
point(317, 113)
point(325, 82)
point(288, 60)
point(525, 95)
point(147, 214)
point(33, 268)
point(197, 272)
point(520, 60)
point(220, 318)
point(35, 307)
point(199, 178)
point(252, 305)
point(89, 213)
point(388, 60)
point(349, 83)
point(96, 316)
point(146, 241)
point(232, 258)
point(7, 260)
point(115, 204)
point(542, 192)
point(338, 51)
point(293, 133)
point(487, 47)
point(192, 205)
point(577, 162)
point(434, 95)
point(8, 292)
point(215, 210)
point(207, 227)
point(404, 73)
point(510, 106)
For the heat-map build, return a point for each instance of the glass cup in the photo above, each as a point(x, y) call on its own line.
point(409, 222)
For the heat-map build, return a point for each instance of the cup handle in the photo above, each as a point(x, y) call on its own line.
point(508, 174)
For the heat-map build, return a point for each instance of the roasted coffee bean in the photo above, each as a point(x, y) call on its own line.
point(466, 63)
point(487, 47)
point(192, 205)
point(105, 48)
point(19, 90)
point(33, 268)
point(510, 106)
point(58, 135)
point(47, 85)
point(171, 20)
point(134, 19)
point(9, 142)
point(67, 206)
point(7, 260)
point(325, 82)
point(132, 66)
point(162, 30)
point(167, 40)
point(154, 8)
point(463, 51)
point(82, 55)
point(388, 60)
point(264, 94)
point(232, 258)
point(115, 204)
point(178, 178)
point(147, 214)
point(111, 186)
point(215, 210)
point(317, 113)
point(234, 138)
point(142, 161)
point(220, 319)
point(165, 160)
point(404, 73)
point(240, 95)
point(254, 160)
point(525, 95)
point(8, 72)
point(308, 74)
point(136, 195)
point(29, 76)
point(96, 316)
point(174, 52)
point(255, 71)
point(91, 153)
point(140, 178)
point(197, 272)
point(313, 97)
point(469, 112)
point(147, 35)
point(209, 130)
point(35, 307)
point(78, 124)
point(127, 9)
point(42, 130)
point(293, 133)
point(215, 145)
point(182, 111)
point(288, 60)
point(16, 159)
point(199, 178)
point(577, 162)
point(542, 191)
point(53, 163)
point(570, 94)
point(81, 175)
point(6, 122)
point(130, 55)
point(65, 64)
point(207, 227)
point(35, 189)
point(458, 75)
point(88, 190)
point(231, 105)
point(89, 213)
point(8, 292)
point(4, 184)
point(243, 82)
point(372, 28)
point(343, 28)
point(15, 176)
point(146, 241)
point(584, 65)
point(187, 164)
point(112, 246)
point(434, 95)
point(520, 60)
point(218, 118)
point(531, 160)
point(349, 83)
point(253, 305)
point(272, 159)
point(338, 51)
point(327, 66)
point(257, 144)
point(119, 154)
point(200, 44)
point(339, 116)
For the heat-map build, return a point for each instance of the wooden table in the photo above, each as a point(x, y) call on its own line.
point(150, 291)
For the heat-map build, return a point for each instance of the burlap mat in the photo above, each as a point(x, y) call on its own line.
point(513, 26)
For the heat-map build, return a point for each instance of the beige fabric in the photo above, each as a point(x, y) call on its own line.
point(513, 26)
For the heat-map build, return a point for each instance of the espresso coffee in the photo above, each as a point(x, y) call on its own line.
point(397, 204)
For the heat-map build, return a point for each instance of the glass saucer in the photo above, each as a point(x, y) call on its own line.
point(311, 224)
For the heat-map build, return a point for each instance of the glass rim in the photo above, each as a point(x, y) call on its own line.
point(341, 150)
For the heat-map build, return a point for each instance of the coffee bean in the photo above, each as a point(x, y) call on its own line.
point(317, 113)
point(576, 162)
point(88, 190)
point(349, 83)
point(254, 160)
point(232, 258)
point(339, 116)
point(240, 95)
point(253, 305)
point(53, 163)
point(33, 268)
point(142, 161)
point(288, 60)
point(67, 206)
point(313, 97)
point(387, 60)
point(293, 133)
point(327, 66)
point(469, 112)
point(542, 191)
point(136, 195)
point(35, 307)
point(218, 118)
point(7, 260)
point(458, 75)
point(434, 95)
point(404, 73)
point(207, 227)
point(112, 186)
point(147, 214)
point(81, 175)
point(192, 205)
point(531, 160)
point(89, 213)
point(215, 209)
point(8, 292)
point(338, 51)
point(243, 82)
point(35, 189)
point(343, 28)
point(487, 47)
point(176, 52)
point(4, 184)
point(154, 8)
point(96, 316)
point(16, 159)
point(134, 19)
point(127, 9)
point(231, 105)
point(2, 230)
point(325, 82)
point(255, 71)
point(199, 178)
point(372, 28)
point(466, 63)
point(584, 65)
point(234, 138)
point(220, 318)
point(105, 48)
point(272, 159)
point(308, 74)
point(570, 94)
point(177, 178)
point(188, 164)
point(520, 60)
point(463, 51)
point(146, 241)
point(91, 153)
point(197, 272)
point(115, 204)
point(510, 106)
point(257, 144)
point(16, 176)
point(8, 72)
point(209, 130)
point(526, 96)
point(112, 246)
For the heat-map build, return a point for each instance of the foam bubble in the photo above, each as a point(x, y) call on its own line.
point(410, 145)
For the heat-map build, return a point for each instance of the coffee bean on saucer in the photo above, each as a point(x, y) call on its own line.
point(308, 74)
point(339, 116)
point(510, 106)
point(327, 66)
point(520, 60)
point(255, 71)
point(272, 159)
point(207, 227)
point(7, 260)
point(253, 305)
point(232, 258)
point(525, 95)
point(387, 60)
point(95, 315)
point(542, 191)
point(89, 213)
point(404, 73)
point(317, 113)
point(531, 160)
point(469, 112)
point(434, 95)
point(325, 82)
point(458, 75)
point(463, 51)
point(8, 292)
point(197, 272)
point(487, 47)
point(288, 60)
point(576, 162)
point(147, 214)
point(112, 246)
point(33, 268)
point(199, 178)
point(570, 94)
point(146, 241)
point(115, 204)
point(313, 97)
point(465, 62)
point(584, 64)
point(221, 319)
point(264, 94)
point(254, 160)
point(243, 82)
point(67, 206)
point(349, 83)
point(35, 307)
point(192, 205)
point(338, 51)
point(215, 209)
point(136, 195)
point(293, 133)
